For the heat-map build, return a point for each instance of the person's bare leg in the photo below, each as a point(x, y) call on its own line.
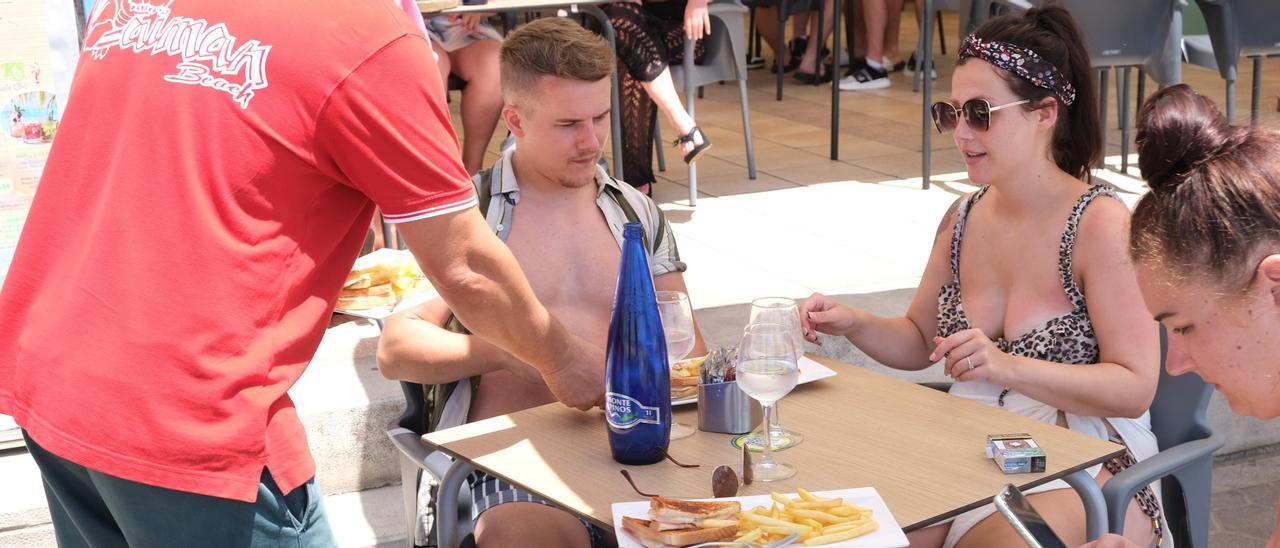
point(529, 524)
point(767, 26)
point(663, 92)
point(809, 62)
point(859, 40)
point(442, 63)
point(875, 15)
point(800, 23)
point(481, 100)
point(892, 31)
point(1064, 512)
point(929, 537)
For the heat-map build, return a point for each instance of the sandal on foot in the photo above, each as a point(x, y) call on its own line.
point(697, 149)
point(822, 77)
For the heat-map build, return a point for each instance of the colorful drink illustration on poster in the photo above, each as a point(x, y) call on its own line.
point(37, 59)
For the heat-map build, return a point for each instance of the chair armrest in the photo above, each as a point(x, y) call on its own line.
point(409, 443)
point(1121, 487)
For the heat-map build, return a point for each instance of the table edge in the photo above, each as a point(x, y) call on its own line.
point(905, 528)
point(482, 468)
point(1022, 487)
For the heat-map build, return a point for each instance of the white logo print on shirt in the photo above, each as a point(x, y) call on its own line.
point(208, 52)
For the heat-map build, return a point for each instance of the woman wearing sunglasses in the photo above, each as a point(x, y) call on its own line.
point(1029, 297)
point(1206, 241)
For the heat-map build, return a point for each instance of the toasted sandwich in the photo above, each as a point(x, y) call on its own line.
point(675, 522)
point(651, 537)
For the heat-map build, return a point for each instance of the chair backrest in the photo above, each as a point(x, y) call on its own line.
point(1132, 32)
point(1241, 27)
point(1259, 22)
point(725, 49)
point(1125, 33)
point(1178, 412)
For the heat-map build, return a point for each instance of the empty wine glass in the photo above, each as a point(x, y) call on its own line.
point(779, 310)
point(767, 371)
point(677, 325)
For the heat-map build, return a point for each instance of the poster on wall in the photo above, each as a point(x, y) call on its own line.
point(37, 59)
point(41, 41)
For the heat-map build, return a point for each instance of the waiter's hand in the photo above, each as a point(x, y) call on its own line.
point(1111, 541)
point(579, 381)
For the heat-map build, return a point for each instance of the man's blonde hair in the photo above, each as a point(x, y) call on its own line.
point(552, 46)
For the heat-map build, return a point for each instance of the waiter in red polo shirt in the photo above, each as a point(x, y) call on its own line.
point(210, 186)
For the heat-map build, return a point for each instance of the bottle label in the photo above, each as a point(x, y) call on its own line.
point(624, 412)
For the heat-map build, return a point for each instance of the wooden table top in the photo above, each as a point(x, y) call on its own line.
point(923, 450)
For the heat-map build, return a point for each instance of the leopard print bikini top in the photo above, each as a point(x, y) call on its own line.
point(1068, 338)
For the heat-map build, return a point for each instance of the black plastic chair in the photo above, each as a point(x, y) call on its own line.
point(415, 459)
point(1184, 464)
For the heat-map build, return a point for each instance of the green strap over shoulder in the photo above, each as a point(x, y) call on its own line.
point(633, 217)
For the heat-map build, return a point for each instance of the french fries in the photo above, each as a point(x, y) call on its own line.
point(817, 520)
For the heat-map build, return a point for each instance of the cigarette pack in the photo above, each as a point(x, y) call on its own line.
point(1015, 453)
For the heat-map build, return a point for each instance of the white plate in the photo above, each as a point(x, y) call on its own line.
point(889, 535)
point(387, 254)
point(809, 371)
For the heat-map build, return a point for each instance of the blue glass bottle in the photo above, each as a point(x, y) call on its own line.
point(637, 378)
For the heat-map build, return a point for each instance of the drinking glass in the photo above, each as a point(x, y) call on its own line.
point(779, 310)
point(767, 371)
point(677, 325)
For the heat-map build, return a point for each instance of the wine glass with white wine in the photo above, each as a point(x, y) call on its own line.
point(784, 311)
point(677, 325)
point(767, 371)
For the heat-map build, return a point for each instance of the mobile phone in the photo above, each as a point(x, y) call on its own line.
point(1025, 520)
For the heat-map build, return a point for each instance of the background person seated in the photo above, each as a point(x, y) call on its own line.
point(467, 46)
point(562, 217)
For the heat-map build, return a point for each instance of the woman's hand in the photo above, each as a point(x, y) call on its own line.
point(697, 20)
point(470, 21)
point(820, 313)
point(971, 356)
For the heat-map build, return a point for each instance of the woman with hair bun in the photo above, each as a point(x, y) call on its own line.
point(1043, 316)
point(1206, 242)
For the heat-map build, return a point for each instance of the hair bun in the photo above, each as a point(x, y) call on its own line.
point(1178, 130)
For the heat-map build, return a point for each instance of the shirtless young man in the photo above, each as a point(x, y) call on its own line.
point(565, 232)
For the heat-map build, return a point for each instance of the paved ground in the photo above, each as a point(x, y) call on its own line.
point(1245, 491)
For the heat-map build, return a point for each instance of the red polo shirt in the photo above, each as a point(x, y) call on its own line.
point(211, 183)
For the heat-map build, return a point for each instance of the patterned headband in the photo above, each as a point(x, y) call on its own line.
point(1023, 62)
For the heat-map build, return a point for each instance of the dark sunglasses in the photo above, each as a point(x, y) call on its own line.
point(977, 113)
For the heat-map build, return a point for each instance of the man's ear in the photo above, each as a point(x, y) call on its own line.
point(514, 118)
point(1269, 274)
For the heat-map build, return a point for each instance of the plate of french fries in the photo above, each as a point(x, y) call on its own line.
point(843, 518)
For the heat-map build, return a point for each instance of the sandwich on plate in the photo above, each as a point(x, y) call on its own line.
point(675, 522)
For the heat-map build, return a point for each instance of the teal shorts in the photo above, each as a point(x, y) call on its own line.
point(90, 508)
